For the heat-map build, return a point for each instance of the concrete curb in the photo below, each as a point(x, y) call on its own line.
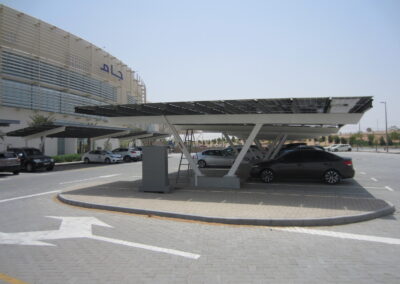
point(68, 163)
point(329, 221)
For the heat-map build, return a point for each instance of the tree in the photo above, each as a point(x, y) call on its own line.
point(38, 119)
point(382, 141)
point(233, 139)
point(336, 139)
point(322, 139)
point(371, 138)
point(343, 140)
point(394, 135)
point(330, 138)
point(353, 139)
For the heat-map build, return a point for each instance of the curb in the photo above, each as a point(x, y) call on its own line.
point(68, 163)
point(329, 221)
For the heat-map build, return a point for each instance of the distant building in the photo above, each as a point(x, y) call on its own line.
point(48, 71)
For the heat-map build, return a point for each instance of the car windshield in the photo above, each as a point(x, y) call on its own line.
point(108, 152)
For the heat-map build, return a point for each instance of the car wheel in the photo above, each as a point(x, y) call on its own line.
point(332, 177)
point(349, 150)
point(202, 164)
point(15, 172)
point(50, 168)
point(30, 167)
point(107, 160)
point(336, 150)
point(86, 160)
point(267, 176)
point(127, 159)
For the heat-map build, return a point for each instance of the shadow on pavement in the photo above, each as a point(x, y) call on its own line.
point(347, 196)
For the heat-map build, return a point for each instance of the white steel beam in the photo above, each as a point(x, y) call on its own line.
point(244, 150)
point(271, 147)
point(278, 148)
point(230, 142)
point(45, 133)
point(111, 135)
point(295, 118)
point(184, 150)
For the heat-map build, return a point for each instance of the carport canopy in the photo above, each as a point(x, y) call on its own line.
point(76, 130)
point(7, 122)
point(251, 119)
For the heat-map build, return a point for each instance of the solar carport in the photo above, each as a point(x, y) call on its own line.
point(251, 120)
point(76, 130)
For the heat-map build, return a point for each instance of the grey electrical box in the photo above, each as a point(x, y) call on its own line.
point(155, 169)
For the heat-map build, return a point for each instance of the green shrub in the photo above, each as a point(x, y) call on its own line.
point(67, 158)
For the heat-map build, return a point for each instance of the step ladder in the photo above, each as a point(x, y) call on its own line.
point(184, 164)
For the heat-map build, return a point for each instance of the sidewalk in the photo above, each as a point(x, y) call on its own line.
point(254, 204)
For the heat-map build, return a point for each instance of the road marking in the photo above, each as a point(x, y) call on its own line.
point(78, 227)
point(374, 179)
point(390, 241)
point(87, 179)
point(10, 279)
point(389, 188)
point(29, 196)
point(363, 173)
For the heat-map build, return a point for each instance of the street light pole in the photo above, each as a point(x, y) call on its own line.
point(387, 136)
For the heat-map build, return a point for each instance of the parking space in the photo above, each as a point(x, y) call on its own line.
point(136, 245)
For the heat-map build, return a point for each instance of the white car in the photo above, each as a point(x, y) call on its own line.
point(129, 154)
point(340, 148)
point(101, 156)
point(252, 154)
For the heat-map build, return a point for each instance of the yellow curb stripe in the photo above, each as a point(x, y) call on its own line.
point(10, 279)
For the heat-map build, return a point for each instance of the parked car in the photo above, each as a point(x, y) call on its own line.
point(214, 157)
point(33, 159)
point(340, 148)
point(297, 147)
point(254, 153)
point(129, 154)
point(308, 163)
point(9, 162)
point(101, 156)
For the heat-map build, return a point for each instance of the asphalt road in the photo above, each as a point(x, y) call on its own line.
point(124, 248)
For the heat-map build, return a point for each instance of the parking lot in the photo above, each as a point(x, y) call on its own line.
point(128, 248)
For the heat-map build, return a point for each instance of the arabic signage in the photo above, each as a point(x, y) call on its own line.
point(107, 69)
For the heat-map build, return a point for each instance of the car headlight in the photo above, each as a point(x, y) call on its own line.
point(37, 160)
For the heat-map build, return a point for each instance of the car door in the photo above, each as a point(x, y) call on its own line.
point(314, 164)
point(288, 165)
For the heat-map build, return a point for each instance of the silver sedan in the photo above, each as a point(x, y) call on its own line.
point(219, 158)
point(101, 156)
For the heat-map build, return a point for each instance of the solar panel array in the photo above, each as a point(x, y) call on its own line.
point(253, 106)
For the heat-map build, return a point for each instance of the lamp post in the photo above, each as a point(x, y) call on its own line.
point(387, 137)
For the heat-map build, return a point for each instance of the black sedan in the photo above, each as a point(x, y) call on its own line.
point(308, 163)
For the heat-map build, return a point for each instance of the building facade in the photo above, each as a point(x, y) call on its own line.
point(48, 71)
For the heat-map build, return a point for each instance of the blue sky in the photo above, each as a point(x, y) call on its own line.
point(209, 50)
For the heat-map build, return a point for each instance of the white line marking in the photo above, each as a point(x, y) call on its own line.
point(363, 173)
point(29, 196)
point(390, 241)
point(86, 179)
point(389, 188)
point(374, 179)
point(147, 247)
point(114, 175)
point(78, 227)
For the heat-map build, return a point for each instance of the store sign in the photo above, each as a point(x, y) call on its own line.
point(107, 69)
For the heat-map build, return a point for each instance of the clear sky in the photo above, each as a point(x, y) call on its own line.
point(210, 50)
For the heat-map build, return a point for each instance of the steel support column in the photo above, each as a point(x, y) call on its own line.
point(230, 142)
point(272, 146)
point(184, 150)
point(244, 150)
point(278, 148)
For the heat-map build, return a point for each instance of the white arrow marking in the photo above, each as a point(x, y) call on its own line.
point(78, 227)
